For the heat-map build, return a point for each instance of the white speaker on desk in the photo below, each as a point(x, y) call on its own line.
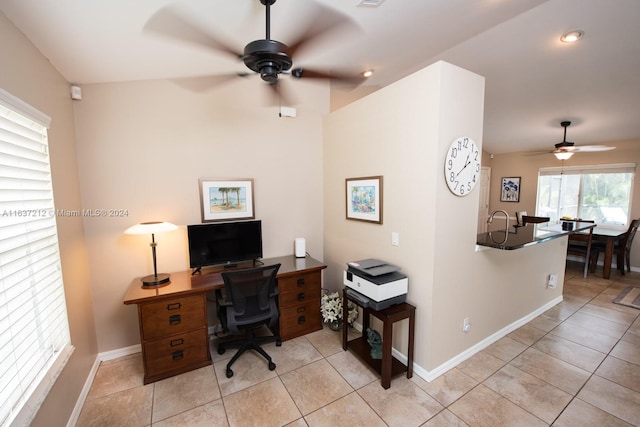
point(299, 246)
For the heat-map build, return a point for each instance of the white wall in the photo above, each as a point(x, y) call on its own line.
point(403, 132)
point(142, 146)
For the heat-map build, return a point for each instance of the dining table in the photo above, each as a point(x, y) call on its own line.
point(609, 236)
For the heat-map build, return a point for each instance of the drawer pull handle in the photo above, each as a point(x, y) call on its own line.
point(177, 355)
point(301, 296)
point(174, 343)
point(174, 306)
point(301, 320)
point(301, 309)
point(300, 282)
point(174, 319)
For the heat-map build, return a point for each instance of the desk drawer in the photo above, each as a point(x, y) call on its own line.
point(172, 316)
point(308, 291)
point(300, 320)
point(176, 352)
point(300, 282)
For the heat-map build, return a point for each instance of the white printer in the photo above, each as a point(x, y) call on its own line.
point(375, 284)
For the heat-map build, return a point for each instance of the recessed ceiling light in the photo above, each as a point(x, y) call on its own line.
point(370, 3)
point(572, 36)
point(367, 73)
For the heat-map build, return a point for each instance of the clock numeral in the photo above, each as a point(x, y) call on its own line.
point(450, 163)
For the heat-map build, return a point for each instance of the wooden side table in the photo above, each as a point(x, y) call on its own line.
point(388, 366)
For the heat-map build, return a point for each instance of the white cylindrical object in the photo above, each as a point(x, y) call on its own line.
point(299, 246)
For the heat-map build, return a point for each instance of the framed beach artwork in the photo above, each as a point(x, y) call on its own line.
point(364, 199)
point(510, 190)
point(226, 199)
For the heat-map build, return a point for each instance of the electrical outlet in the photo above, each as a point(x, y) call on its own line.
point(553, 281)
point(466, 325)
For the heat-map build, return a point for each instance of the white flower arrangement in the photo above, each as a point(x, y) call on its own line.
point(332, 308)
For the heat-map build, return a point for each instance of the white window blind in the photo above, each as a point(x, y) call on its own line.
point(34, 330)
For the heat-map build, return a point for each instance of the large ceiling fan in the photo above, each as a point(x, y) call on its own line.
point(565, 149)
point(267, 57)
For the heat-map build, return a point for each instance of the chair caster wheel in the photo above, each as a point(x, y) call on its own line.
point(272, 366)
point(221, 350)
point(278, 343)
point(229, 373)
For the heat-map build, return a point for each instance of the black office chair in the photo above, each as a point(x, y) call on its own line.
point(250, 302)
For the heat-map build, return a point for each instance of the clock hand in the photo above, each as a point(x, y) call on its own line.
point(465, 166)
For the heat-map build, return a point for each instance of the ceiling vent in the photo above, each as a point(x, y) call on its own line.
point(370, 3)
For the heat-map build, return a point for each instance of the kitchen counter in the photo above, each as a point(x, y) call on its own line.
point(531, 234)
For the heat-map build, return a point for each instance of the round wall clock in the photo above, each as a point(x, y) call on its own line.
point(462, 166)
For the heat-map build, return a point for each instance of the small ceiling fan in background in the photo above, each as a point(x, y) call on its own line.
point(267, 57)
point(565, 149)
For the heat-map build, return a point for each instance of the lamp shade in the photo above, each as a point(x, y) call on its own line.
point(150, 228)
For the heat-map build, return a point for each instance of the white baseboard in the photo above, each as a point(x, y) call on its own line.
point(101, 357)
point(456, 360)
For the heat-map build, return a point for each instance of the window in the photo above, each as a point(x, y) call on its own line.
point(601, 193)
point(34, 330)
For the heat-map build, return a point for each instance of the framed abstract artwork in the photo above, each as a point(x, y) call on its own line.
point(226, 199)
point(510, 190)
point(364, 199)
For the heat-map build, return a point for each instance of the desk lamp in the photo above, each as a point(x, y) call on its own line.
point(152, 228)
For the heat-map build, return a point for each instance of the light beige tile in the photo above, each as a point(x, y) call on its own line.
point(576, 333)
point(484, 407)
point(481, 365)
point(445, 418)
point(250, 369)
point(315, 385)
point(506, 348)
point(527, 334)
point(612, 398)
point(621, 372)
point(349, 410)
point(627, 351)
point(544, 323)
point(448, 387)
point(326, 341)
point(117, 375)
point(184, 392)
point(609, 314)
point(209, 414)
point(536, 396)
point(561, 374)
point(403, 404)
point(597, 324)
point(131, 407)
point(580, 413)
point(353, 369)
point(293, 354)
point(265, 404)
point(576, 354)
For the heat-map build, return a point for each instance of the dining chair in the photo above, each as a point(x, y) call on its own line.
point(622, 248)
point(580, 244)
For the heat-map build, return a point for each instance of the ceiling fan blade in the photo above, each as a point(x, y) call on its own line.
point(305, 73)
point(324, 19)
point(204, 83)
point(171, 23)
point(593, 148)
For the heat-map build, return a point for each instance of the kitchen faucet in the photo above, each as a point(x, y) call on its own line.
point(506, 217)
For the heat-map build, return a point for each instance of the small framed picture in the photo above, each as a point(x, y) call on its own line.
point(364, 199)
point(510, 191)
point(226, 199)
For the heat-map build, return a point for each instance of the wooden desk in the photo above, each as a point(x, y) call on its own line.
point(173, 318)
point(388, 366)
point(608, 236)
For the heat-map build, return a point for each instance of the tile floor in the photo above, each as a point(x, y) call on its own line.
point(578, 364)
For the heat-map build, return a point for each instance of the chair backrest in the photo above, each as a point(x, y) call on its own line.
point(252, 294)
point(631, 232)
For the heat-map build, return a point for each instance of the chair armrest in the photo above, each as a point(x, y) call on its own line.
point(220, 299)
